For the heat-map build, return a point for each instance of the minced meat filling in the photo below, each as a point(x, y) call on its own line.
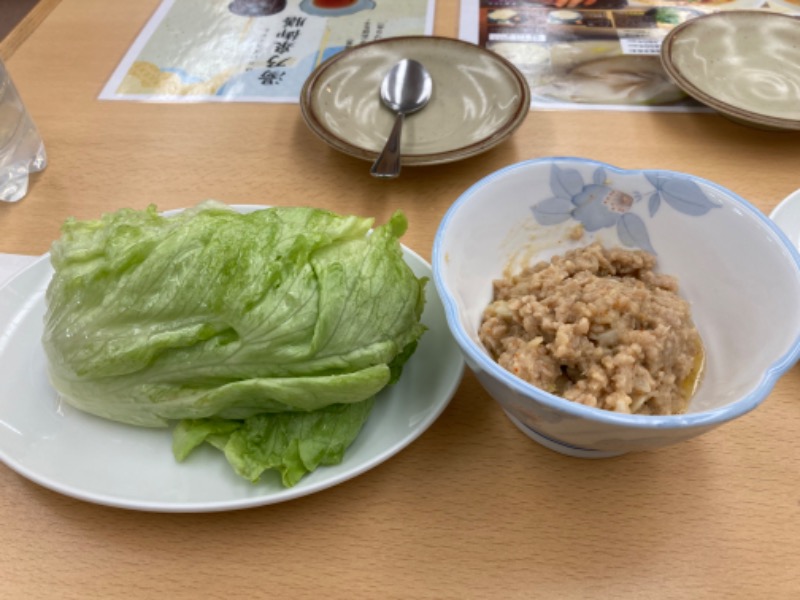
point(597, 326)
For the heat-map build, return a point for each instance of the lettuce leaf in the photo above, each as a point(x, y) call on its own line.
point(214, 314)
point(292, 443)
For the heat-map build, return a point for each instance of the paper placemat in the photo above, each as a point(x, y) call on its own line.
point(251, 50)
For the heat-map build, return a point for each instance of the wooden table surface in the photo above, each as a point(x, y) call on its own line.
point(472, 509)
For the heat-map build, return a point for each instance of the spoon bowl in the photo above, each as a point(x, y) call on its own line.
point(406, 89)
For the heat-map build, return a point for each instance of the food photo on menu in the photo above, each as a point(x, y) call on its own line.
point(595, 53)
point(185, 54)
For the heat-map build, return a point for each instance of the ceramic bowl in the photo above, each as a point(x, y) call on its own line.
point(735, 267)
point(787, 216)
point(743, 64)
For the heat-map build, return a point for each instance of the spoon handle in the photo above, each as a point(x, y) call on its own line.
point(388, 163)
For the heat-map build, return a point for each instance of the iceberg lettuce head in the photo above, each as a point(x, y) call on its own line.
point(233, 323)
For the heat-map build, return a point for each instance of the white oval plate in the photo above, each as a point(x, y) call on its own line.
point(787, 216)
point(479, 99)
point(113, 464)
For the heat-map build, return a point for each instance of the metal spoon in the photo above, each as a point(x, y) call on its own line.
point(406, 88)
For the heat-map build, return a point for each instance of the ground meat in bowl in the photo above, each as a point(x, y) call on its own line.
point(600, 327)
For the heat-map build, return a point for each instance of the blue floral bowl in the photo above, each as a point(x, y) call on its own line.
point(738, 271)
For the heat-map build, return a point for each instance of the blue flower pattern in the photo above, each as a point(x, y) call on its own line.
point(597, 205)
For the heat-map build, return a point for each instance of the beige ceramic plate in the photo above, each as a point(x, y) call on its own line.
point(745, 64)
point(479, 99)
point(788, 6)
point(702, 4)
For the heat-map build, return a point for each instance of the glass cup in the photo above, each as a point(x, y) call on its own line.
point(21, 148)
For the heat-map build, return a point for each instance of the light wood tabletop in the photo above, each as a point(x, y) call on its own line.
point(471, 509)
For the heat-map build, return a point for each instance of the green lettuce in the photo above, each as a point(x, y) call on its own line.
point(291, 443)
point(275, 320)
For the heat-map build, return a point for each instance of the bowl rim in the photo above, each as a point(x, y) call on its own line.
point(735, 112)
point(478, 356)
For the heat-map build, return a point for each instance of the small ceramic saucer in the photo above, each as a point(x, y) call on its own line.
point(479, 99)
point(714, 5)
point(788, 6)
point(742, 63)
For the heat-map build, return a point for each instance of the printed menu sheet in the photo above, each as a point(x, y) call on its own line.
point(589, 54)
point(251, 50)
